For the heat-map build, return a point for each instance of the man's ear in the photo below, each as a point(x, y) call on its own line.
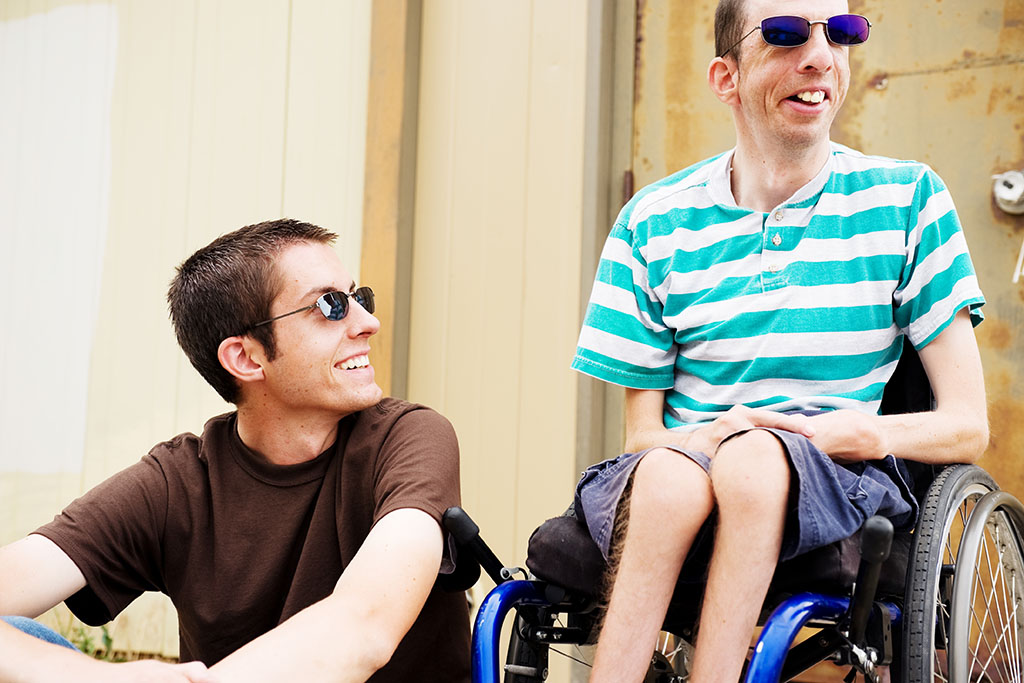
point(723, 79)
point(242, 357)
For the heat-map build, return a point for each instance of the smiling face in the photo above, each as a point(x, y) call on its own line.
point(787, 98)
point(321, 367)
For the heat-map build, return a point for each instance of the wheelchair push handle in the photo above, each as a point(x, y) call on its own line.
point(876, 540)
point(875, 544)
point(467, 534)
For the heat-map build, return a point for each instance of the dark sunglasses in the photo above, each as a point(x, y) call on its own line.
point(842, 29)
point(334, 305)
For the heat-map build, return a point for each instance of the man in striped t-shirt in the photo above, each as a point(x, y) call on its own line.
point(754, 305)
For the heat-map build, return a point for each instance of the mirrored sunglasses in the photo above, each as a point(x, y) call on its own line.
point(333, 305)
point(786, 31)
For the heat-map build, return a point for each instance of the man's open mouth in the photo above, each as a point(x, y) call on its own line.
point(354, 363)
point(809, 97)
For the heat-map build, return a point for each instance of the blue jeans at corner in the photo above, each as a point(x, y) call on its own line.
point(34, 628)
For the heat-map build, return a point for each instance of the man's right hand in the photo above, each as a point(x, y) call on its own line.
point(152, 671)
point(741, 419)
point(645, 426)
point(27, 658)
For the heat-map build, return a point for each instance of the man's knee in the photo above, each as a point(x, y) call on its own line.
point(750, 472)
point(37, 630)
point(668, 483)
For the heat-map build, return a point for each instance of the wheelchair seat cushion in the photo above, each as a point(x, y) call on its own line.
point(562, 552)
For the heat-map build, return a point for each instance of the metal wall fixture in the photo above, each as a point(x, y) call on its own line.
point(1009, 191)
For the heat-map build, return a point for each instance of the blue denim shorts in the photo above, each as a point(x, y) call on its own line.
point(828, 501)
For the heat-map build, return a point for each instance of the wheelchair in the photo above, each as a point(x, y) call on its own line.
point(943, 602)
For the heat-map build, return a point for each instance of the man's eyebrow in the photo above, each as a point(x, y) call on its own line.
point(324, 289)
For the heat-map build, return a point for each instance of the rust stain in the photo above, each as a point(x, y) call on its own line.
point(639, 119)
point(997, 96)
point(880, 81)
point(848, 125)
point(1006, 425)
point(684, 79)
point(960, 88)
point(994, 334)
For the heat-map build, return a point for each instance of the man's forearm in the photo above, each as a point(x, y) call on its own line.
point(936, 437)
point(26, 659)
point(324, 642)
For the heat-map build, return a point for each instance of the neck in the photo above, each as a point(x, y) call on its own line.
point(762, 180)
point(286, 439)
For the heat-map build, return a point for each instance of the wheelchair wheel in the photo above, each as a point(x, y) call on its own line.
point(527, 661)
point(987, 614)
point(933, 562)
point(671, 660)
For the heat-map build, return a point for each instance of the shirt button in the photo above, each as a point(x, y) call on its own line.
point(778, 215)
point(773, 268)
point(776, 239)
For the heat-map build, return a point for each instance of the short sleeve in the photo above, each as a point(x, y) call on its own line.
point(112, 533)
point(938, 278)
point(623, 339)
point(418, 466)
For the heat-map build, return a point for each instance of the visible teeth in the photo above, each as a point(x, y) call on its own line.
point(812, 97)
point(356, 362)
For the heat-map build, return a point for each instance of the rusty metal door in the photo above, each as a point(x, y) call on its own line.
point(939, 81)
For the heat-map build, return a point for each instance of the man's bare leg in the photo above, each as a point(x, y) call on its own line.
point(750, 476)
point(671, 499)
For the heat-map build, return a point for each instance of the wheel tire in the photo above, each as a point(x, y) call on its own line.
point(944, 514)
point(526, 662)
point(987, 613)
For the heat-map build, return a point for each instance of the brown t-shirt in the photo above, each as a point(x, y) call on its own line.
point(240, 545)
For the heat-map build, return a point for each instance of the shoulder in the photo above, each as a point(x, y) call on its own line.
point(188, 453)
point(684, 190)
point(394, 419)
point(393, 410)
point(855, 171)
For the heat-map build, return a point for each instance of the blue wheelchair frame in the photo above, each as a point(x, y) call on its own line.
point(765, 665)
point(777, 636)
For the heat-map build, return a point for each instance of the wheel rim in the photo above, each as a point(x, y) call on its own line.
point(952, 533)
point(987, 610)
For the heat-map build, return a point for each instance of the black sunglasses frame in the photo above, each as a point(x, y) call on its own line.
point(810, 24)
point(336, 310)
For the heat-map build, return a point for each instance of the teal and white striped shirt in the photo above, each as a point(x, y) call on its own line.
point(804, 307)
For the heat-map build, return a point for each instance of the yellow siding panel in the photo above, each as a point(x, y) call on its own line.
point(496, 263)
point(222, 113)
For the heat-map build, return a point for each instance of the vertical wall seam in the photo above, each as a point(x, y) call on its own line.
point(287, 87)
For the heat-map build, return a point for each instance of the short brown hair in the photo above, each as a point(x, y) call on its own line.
point(226, 287)
point(729, 17)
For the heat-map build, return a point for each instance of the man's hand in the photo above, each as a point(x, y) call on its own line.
point(741, 419)
point(151, 671)
point(645, 427)
point(26, 658)
point(848, 436)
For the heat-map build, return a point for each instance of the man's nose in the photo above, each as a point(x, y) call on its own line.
point(363, 322)
point(816, 53)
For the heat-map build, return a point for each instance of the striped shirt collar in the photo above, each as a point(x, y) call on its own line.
point(719, 184)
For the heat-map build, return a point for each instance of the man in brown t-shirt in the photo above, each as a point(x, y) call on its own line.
point(298, 536)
